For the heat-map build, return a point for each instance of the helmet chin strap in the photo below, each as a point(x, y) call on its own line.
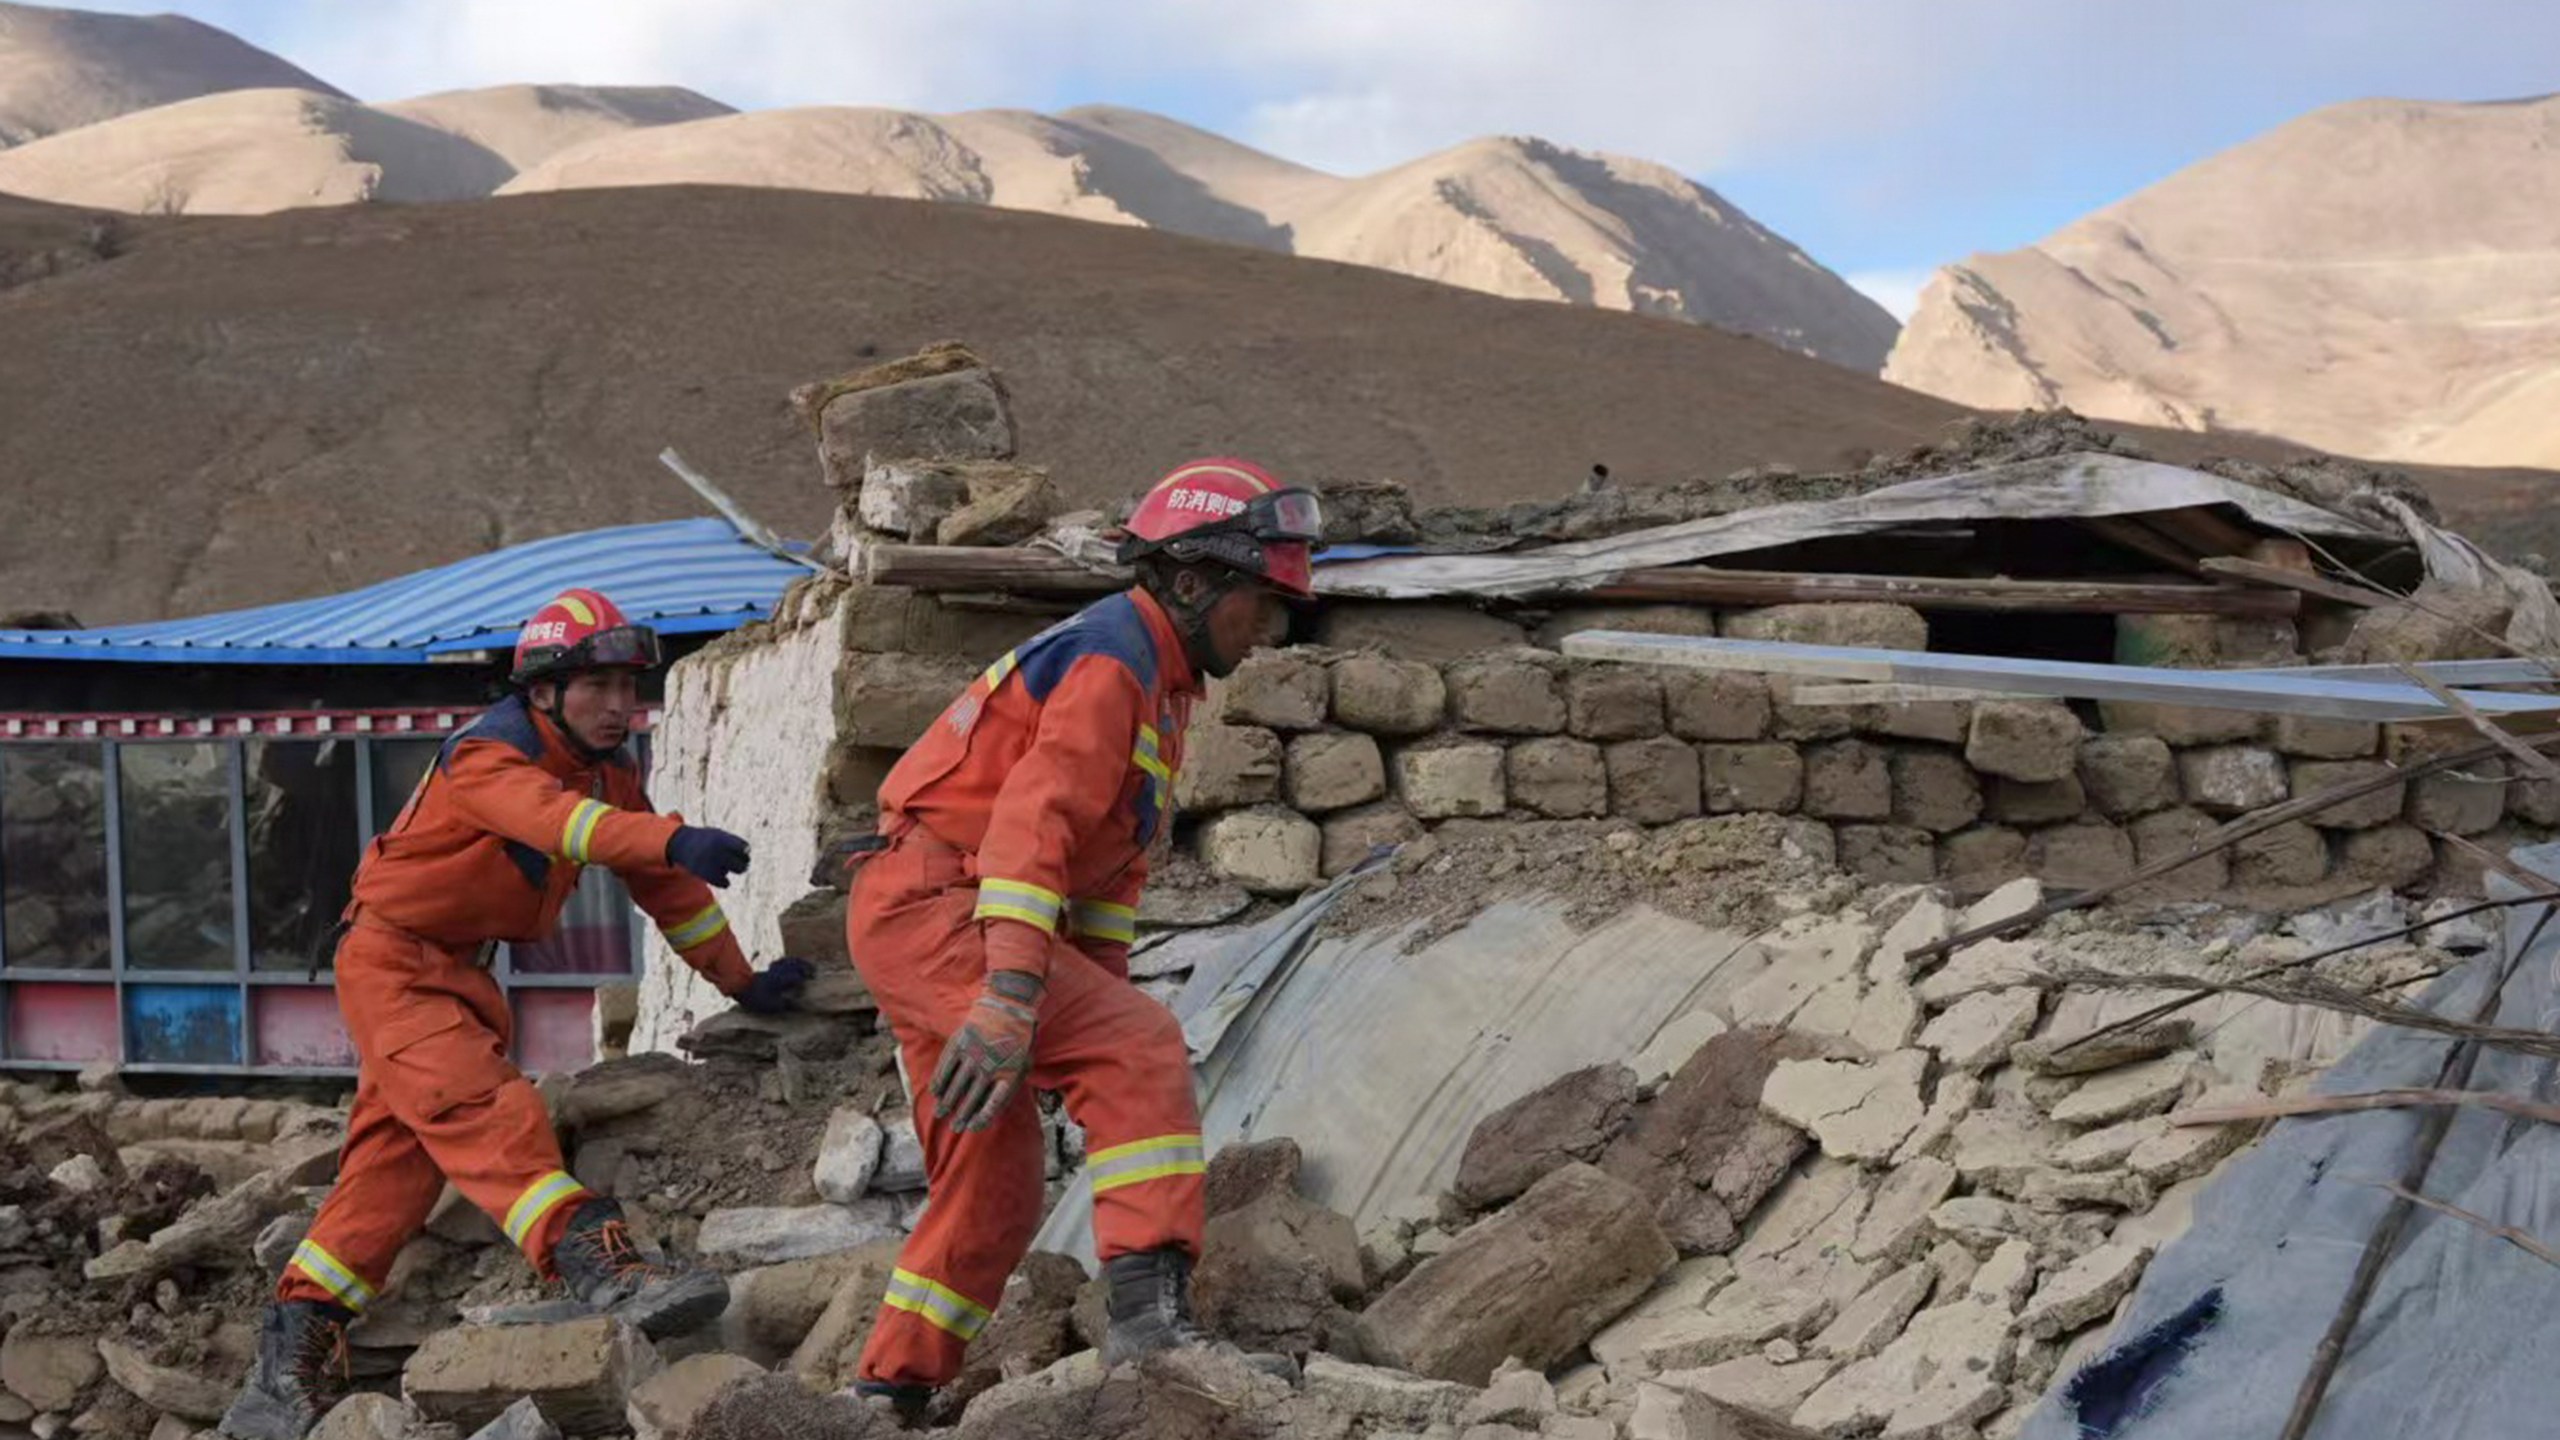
point(1191, 621)
point(560, 719)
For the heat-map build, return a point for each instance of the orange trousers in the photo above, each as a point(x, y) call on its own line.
point(436, 1097)
point(1117, 1057)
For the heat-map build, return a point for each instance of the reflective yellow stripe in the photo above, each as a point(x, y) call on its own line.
point(581, 829)
point(1151, 765)
point(1020, 900)
point(695, 931)
point(1102, 920)
point(331, 1275)
point(539, 1199)
point(578, 607)
point(938, 1305)
point(1150, 739)
point(1143, 1160)
point(995, 673)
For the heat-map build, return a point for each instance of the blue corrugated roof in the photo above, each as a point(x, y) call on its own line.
point(682, 576)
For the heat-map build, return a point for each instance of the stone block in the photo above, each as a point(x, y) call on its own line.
point(1267, 850)
point(1933, 790)
point(2128, 775)
point(1558, 776)
point(1635, 619)
point(1382, 696)
point(848, 1155)
point(813, 928)
point(892, 619)
point(2290, 854)
point(888, 700)
point(2233, 779)
point(960, 415)
point(1982, 859)
point(663, 1406)
point(2024, 739)
point(1799, 723)
point(2314, 738)
point(769, 1235)
point(2181, 724)
point(1333, 770)
point(48, 1371)
point(2381, 807)
point(1570, 1118)
point(1007, 505)
point(2081, 855)
point(1438, 782)
point(1349, 835)
point(2535, 802)
point(1941, 722)
point(1225, 766)
point(1847, 780)
point(2037, 802)
point(1502, 696)
point(2396, 856)
point(1434, 633)
point(1281, 689)
point(2464, 801)
point(2158, 836)
point(1534, 1281)
point(1863, 624)
point(1655, 781)
point(908, 498)
point(1763, 777)
point(579, 1372)
point(1613, 703)
point(1888, 854)
point(1855, 1110)
point(1716, 704)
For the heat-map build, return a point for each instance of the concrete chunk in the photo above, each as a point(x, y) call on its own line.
point(1333, 771)
point(1855, 1111)
point(1506, 697)
point(1443, 781)
point(2024, 739)
point(1267, 850)
point(579, 1372)
point(2086, 1289)
point(769, 1235)
point(1381, 696)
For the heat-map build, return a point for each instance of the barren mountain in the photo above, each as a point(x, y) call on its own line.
point(248, 152)
point(528, 124)
point(1509, 216)
point(237, 410)
point(60, 69)
point(2378, 279)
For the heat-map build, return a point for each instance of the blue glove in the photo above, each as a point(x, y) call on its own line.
point(713, 855)
point(775, 990)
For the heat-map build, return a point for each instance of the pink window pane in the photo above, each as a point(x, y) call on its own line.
point(554, 1031)
point(302, 1028)
point(63, 1022)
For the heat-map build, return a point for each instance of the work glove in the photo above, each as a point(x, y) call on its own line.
point(775, 990)
point(985, 1063)
point(712, 855)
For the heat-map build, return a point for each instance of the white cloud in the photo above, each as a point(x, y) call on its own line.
point(1895, 290)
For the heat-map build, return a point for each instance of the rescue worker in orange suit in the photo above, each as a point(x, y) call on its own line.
point(994, 928)
point(487, 849)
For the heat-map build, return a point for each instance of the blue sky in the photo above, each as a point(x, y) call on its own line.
point(1886, 137)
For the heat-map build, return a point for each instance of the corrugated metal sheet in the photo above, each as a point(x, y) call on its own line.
point(681, 576)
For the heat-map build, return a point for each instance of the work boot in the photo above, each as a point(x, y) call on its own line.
point(1151, 1311)
point(300, 1372)
point(905, 1404)
point(612, 1273)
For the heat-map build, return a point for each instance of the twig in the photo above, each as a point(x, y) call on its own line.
point(2319, 995)
point(2220, 840)
point(2172, 1007)
point(2508, 1233)
point(2536, 886)
point(2534, 760)
point(2282, 1106)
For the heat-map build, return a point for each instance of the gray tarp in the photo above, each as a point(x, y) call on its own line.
point(2461, 1336)
point(1380, 1063)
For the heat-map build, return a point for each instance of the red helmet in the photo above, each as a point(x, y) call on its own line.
point(581, 630)
point(1233, 512)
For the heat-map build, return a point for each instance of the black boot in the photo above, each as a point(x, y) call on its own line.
point(907, 1404)
point(612, 1273)
point(1151, 1311)
point(300, 1372)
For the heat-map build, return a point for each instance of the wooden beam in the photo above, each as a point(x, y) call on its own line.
point(2200, 529)
point(1854, 694)
point(2142, 541)
point(2230, 567)
point(2267, 692)
point(2451, 672)
point(1011, 569)
point(1701, 585)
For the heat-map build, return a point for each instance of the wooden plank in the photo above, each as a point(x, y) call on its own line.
point(2142, 541)
point(2233, 568)
point(2201, 529)
point(2277, 693)
point(1703, 585)
point(2516, 671)
point(985, 568)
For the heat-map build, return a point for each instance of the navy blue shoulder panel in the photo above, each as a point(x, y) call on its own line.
point(508, 720)
point(1113, 627)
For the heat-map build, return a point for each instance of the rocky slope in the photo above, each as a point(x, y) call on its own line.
point(61, 69)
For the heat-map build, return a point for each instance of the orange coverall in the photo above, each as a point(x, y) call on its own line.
point(1033, 801)
point(487, 849)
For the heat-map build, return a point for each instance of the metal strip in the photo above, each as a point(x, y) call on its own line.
point(2279, 693)
point(237, 769)
point(364, 793)
point(114, 764)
